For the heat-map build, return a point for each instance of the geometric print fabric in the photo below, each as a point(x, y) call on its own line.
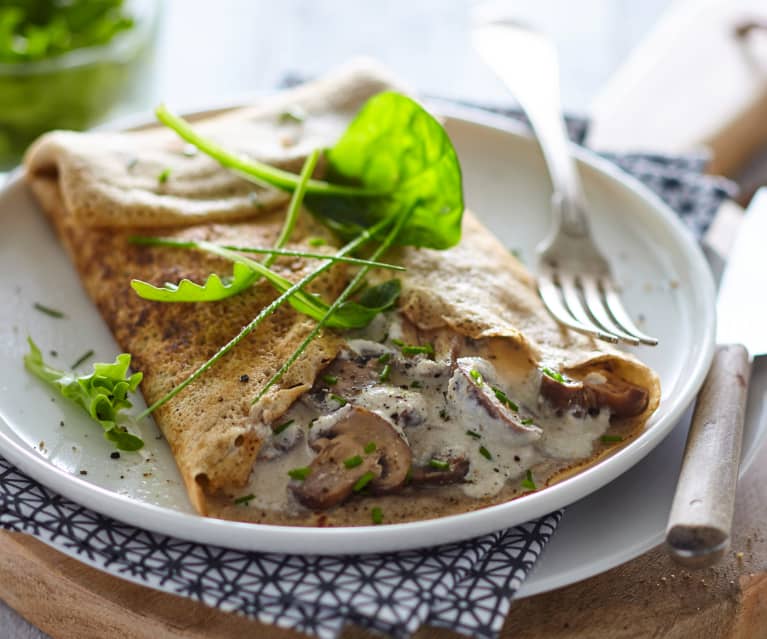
point(466, 586)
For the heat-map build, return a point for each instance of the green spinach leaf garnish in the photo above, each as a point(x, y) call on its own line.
point(395, 147)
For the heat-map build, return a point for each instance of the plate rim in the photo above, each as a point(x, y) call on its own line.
point(164, 520)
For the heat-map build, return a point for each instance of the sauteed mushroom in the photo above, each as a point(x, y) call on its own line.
point(361, 445)
point(597, 391)
point(468, 386)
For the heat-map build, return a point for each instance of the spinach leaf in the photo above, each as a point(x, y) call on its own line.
point(395, 146)
point(102, 394)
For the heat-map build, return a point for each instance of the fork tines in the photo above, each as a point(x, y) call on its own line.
point(590, 305)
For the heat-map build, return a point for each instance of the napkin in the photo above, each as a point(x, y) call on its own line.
point(466, 587)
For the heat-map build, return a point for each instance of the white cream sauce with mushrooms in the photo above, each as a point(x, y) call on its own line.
point(461, 412)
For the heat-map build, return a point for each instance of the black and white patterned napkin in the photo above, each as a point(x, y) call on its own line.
point(466, 587)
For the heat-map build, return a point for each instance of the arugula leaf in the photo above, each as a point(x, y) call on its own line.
point(214, 289)
point(102, 394)
point(395, 146)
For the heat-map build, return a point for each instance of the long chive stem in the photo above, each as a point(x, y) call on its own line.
point(295, 205)
point(252, 169)
point(382, 248)
point(266, 312)
point(170, 242)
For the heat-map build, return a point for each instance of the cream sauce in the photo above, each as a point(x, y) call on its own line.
point(432, 404)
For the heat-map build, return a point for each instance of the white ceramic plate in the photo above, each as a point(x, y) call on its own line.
point(666, 285)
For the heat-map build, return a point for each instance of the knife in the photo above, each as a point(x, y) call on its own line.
point(700, 521)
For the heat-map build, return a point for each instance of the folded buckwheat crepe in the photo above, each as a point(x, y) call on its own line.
point(465, 394)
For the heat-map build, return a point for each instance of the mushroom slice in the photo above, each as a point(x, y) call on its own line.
point(456, 470)
point(470, 389)
point(597, 391)
point(346, 456)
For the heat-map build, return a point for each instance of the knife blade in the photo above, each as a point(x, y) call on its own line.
point(700, 521)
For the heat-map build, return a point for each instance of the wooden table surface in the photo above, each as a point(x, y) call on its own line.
point(647, 597)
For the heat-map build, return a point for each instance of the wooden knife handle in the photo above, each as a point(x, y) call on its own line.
point(698, 531)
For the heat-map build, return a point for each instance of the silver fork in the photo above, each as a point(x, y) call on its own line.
point(574, 279)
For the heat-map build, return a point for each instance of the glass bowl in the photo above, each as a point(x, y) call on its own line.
point(77, 89)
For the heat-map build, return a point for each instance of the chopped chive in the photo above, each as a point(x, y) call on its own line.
point(338, 399)
point(353, 462)
point(409, 349)
point(316, 241)
point(384, 359)
point(300, 473)
point(330, 380)
point(162, 178)
point(416, 384)
point(528, 482)
point(409, 476)
point(527, 421)
point(385, 373)
point(610, 439)
point(474, 434)
point(294, 114)
point(557, 377)
point(376, 515)
point(476, 376)
point(485, 453)
point(49, 311)
point(245, 499)
point(363, 481)
point(369, 448)
point(278, 429)
point(83, 358)
point(426, 349)
point(504, 399)
point(439, 464)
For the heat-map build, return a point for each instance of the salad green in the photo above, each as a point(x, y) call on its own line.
point(36, 29)
point(103, 394)
point(61, 66)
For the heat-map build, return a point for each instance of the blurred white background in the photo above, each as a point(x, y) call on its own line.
point(210, 50)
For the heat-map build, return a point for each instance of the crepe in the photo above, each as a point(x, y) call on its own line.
point(98, 189)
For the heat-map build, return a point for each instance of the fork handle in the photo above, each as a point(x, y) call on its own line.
point(526, 61)
point(700, 522)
